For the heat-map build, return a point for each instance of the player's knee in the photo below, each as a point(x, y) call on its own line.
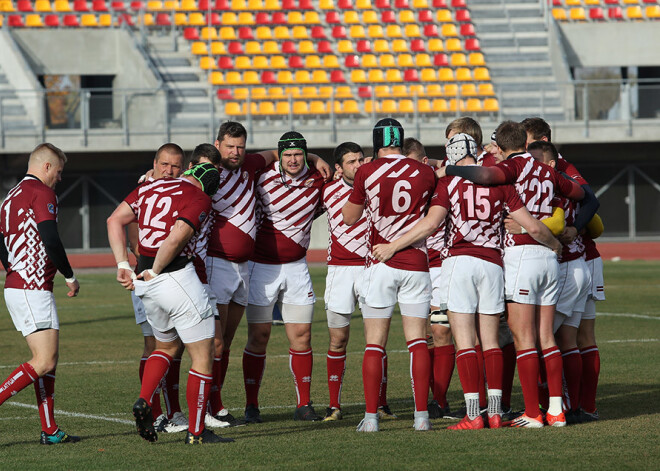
point(218, 346)
point(258, 338)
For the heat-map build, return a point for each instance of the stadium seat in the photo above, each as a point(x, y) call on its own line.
point(295, 18)
point(458, 59)
point(447, 30)
point(350, 107)
point(412, 31)
point(389, 107)
point(281, 32)
point(407, 16)
point(352, 61)
point(458, 4)
point(579, 14)
point(486, 89)
point(154, 5)
point(401, 4)
point(481, 74)
point(357, 32)
point(405, 60)
point(300, 32)
point(596, 14)
point(472, 44)
point(324, 47)
point(382, 91)
point(491, 105)
point(375, 76)
point(424, 106)
point(227, 33)
point(615, 13)
point(444, 16)
point(279, 18)
point(451, 89)
point(222, 93)
point(468, 90)
point(467, 29)
point(218, 48)
point(306, 5)
point(262, 18)
point(363, 46)
point(180, 19)
point(235, 47)
point(233, 108)
point(272, 5)
point(270, 47)
point(653, 12)
point(196, 19)
point(148, 19)
point(339, 32)
point(345, 4)
point(363, 4)
point(433, 90)
point(446, 75)
point(431, 31)
point(317, 107)
point(330, 62)
point(634, 13)
point(207, 63)
point(436, 45)
point(253, 47)
point(191, 34)
point(410, 75)
point(306, 47)
point(225, 62)
point(369, 61)
point(268, 77)
point(285, 77)
point(318, 32)
point(242, 62)
point(423, 60)
point(51, 21)
point(440, 60)
point(135, 5)
point(320, 76)
point(88, 20)
point(367, 91)
point(393, 75)
point(189, 5)
point(418, 4)
point(214, 19)
point(245, 33)
point(71, 21)
point(246, 18)
point(381, 46)
point(351, 17)
point(399, 45)
point(406, 106)
point(375, 31)
point(345, 47)
point(25, 6)
point(387, 16)
point(332, 17)
point(278, 62)
point(393, 31)
point(428, 75)
point(199, 48)
point(358, 76)
point(62, 6)
point(425, 16)
point(295, 62)
point(463, 16)
point(251, 77)
point(386, 61)
point(454, 44)
point(238, 5)
point(337, 76)
point(105, 20)
point(398, 91)
point(476, 59)
point(229, 18)
point(383, 4)
point(42, 6)
point(263, 33)
point(439, 105)
point(370, 17)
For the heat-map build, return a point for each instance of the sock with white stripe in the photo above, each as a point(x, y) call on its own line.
point(19, 379)
point(336, 365)
point(420, 368)
point(44, 388)
point(197, 394)
point(553, 372)
point(300, 364)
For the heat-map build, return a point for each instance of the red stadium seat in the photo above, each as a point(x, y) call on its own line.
point(467, 29)
point(462, 16)
point(472, 44)
point(245, 32)
point(52, 21)
point(235, 47)
point(71, 21)
point(425, 16)
point(262, 18)
point(440, 3)
point(612, 2)
point(365, 92)
point(289, 5)
point(417, 45)
point(225, 62)
point(24, 6)
point(332, 17)
point(268, 77)
point(279, 18)
point(458, 4)
point(596, 14)
point(388, 16)
point(163, 19)
point(135, 6)
point(306, 5)
point(296, 62)
point(363, 46)
point(223, 94)
point(441, 60)
point(118, 5)
point(431, 31)
point(337, 76)
point(352, 60)
point(216, 20)
point(318, 32)
point(345, 4)
point(324, 47)
point(219, 5)
point(191, 34)
point(615, 13)
point(289, 47)
point(339, 32)
point(410, 75)
point(81, 5)
point(402, 4)
point(15, 21)
point(99, 5)
point(383, 4)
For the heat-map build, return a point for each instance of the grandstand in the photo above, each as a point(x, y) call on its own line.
point(117, 78)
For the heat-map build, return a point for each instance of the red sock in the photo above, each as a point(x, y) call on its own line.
point(300, 364)
point(44, 388)
point(508, 371)
point(224, 364)
point(171, 388)
point(156, 410)
point(573, 375)
point(336, 365)
point(419, 372)
point(431, 376)
point(443, 368)
point(493, 363)
point(372, 375)
point(528, 371)
point(590, 372)
point(382, 395)
point(19, 379)
point(544, 395)
point(483, 397)
point(254, 365)
point(197, 395)
point(468, 370)
point(215, 397)
point(553, 366)
point(154, 371)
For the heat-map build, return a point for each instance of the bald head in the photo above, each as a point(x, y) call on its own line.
point(46, 162)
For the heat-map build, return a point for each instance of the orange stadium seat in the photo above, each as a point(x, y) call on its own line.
point(407, 16)
point(446, 75)
point(351, 17)
point(196, 19)
point(476, 59)
point(260, 62)
point(272, 5)
point(199, 48)
point(253, 47)
point(238, 5)
point(246, 18)
point(481, 74)
point(398, 91)
point(412, 31)
point(448, 30)
point(653, 12)
point(468, 89)
point(227, 33)
point(451, 89)
point(88, 20)
point(358, 76)
point(433, 90)
point(312, 18)
point(393, 31)
point(207, 63)
point(340, 92)
point(278, 62)
point(393, 75)
point(363, 4)
point(281, 32)
point(436, 45)
point(243, 62)
point(382, 46)
point(579, 14)
point(439, 105)
point(375, 76)
point(428, 75)
point(263, 33)
point(399, 45)
point(320, 76)
point(42, 6)
point(369, 61)
point(454, 44)
point(306, 47)
point(218, 48)
point(423, 60)
point(375, 31)
point(154, 5)
point(417, 4)
point(444, 16)
point(271, 47)
point(300, 32)
point(357, 32)
point(634, 13)
point(458, 59)
point(424, 106)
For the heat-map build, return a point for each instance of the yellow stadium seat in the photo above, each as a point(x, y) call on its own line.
point(253, 47)
point(381, 45)
point(469, 89)
point(317, 107)
point(171, 5)
point(491, 105)
point(343, 92)
point(357, 32)
point(573, 3)
point(331, 62)
point(486, 89)
point(271, 47)
point(210, 33)
point(405, 60)
point(382, 90)
point(216, 78)
point(295, 18)
point(370, 17)
point(578, 14)
point(444, 16)
point(188, 5)
point(207, 63)
point(300, 107)
point(282, 108)
point(105, 20)
point(241, 93)
point(62, 6)
point(363, 4)
point(407, 16)
point(481, 74)
point(406, 106)
point(300, 32)
point(154, 5)
point(399, 45)
point(446, 75)
point(312, 62)
point(266, 108)
point(345, 46)
point(278, 62)
point(260, 63)
point(148, 20)
point(312, 18)
point(458, 59)
point(180, 19)
point(375, 31)
point(292, 92)
point(320, 76)
point(393, 31)
point(389, 107)
point(433, 89)
point(375, 76)
point(358, 76)
point(369, 61)
point(281, 32)
point(631, 2)
point(423, 60)
point(276, 93)
point(439, 105)
point(448, 29)
point(435, 45)
point(594, 3)
point(34, 21)
point(420, 4)
point(251, 77)
point(428, 75)
point(456, 105)
point(350, 107)
point(306, 47)
point(451, 89)
point(559, 14)
point(228, 33)
point(399, 91)
point(634, 13)
point(42, 6)
point(351, 17)
point(218, 48)
point(242, 62)
point(412, 31)
point(386, 60)
point(238, 5)
point(235, 109)
point(309, 92)
point(233, 78)
point(285, 77)
point(326, 4)
point(454, 44)
point(245, 18)
point(88, 20)
point(257, 5)
point(393, 75)
point(195, 18)
point(476, 59)
point(424, 106)
point(416, 90)
point(653, 12)
point(199, 48)
point(263, 33)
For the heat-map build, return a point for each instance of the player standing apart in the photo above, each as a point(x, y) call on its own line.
point(394, 190)
point(31, 251)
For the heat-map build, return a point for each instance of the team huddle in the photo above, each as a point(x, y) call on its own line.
point(489, 255)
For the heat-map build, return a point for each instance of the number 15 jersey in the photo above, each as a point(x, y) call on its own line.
point(395, 191)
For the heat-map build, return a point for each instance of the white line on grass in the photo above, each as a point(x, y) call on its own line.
point(77, 363)
point(632, 341)
point(627, 314)
point(74, 414)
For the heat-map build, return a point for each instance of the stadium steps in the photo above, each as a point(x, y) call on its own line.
point(14, 116)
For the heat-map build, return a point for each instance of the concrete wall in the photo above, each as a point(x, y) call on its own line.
point(612, 44)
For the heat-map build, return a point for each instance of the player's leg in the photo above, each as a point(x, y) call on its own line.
point(572, 367)
point(552, 363)
point(587, 342)
point(254, 357)
point(444, 358)
point(336, 363)
point(493, 363)
point(414, 319)
point(170, 390)
point(508, 366)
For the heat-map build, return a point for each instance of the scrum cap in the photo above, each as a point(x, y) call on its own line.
point(460, 146)
point(388, 132)
point(207, 175)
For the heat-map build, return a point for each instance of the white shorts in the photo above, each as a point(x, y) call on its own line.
point(229, 281)
point(589, 309)
point(572, 321)
point(212, 300)
point(382, 286)
point(595, 267)
point(438, 296)
point(291, 313)
point(204, 330)
point(138, 309)
point(289, 283)
point(574, 287)
point(473, 285)
point(175, 300)
point(340, 295)
point(530, 275)
point(31, 310)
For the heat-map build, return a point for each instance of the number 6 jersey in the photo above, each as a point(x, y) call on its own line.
point(395, 191)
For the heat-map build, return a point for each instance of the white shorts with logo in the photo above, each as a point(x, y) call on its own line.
point(595, 267)
point(472, 285)
point(574, 289)
point(31, 310)
point(229, 281)
point(530, 275)
point(382, 286)
point(438, 296)
point(340, 293)
point(141, 316)
point(175, 300)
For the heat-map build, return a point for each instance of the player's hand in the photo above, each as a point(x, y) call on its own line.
point(490, 148)
point(146, 176)
point(383, 252)
point(568, 235)
point(441, 172)
point(74, 288)
point(511, 226)
point(323, 168)
point(557, 249)
point(125, 278)
point(147, 275)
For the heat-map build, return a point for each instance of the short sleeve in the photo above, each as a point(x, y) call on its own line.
point(570, 170)
point(564, 185)
point(512, 198)
point(45, 205)
point(255, 162)
point(441, 193)
point(132, 200)
point(359, 193)
point(510, 169)
point(196, 209)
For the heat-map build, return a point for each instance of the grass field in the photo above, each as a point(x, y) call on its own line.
point(97, 383)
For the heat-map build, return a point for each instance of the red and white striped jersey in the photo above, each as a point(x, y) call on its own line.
point(536, 184)
point(395, 191)
point(348, 244)
point(436, 246)
point(475, 216)
point(285, 211)
point(159, 204)
point(575, 249)
point(235, 225)
point(486, 159)
point(26, 205)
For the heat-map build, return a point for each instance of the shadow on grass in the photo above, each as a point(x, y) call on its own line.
point(82, 439)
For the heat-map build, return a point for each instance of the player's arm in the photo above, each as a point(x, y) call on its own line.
point(594, 229)
point(55, 251)
point(4, 254)
point(181, 233)
point(536, 229)
point(588, 208)
point(121, 217)
point(420, 231)
point(555, 223)
point(133, 238)
point(477, 174)
point(352, 213)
